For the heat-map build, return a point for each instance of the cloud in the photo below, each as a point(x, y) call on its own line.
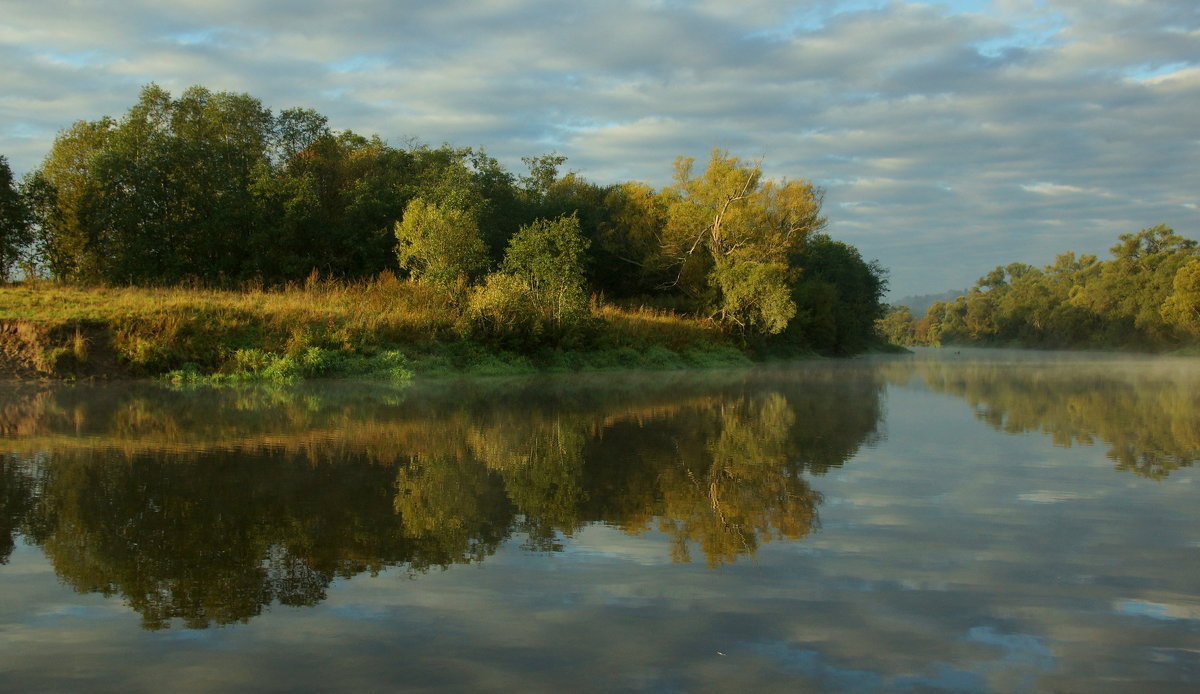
point(971, 110)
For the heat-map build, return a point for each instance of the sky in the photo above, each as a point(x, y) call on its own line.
point(949, 137)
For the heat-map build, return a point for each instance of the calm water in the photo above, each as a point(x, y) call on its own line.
point(974, 522)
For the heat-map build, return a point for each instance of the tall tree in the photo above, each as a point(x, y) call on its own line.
point(839, 296)
point(539, 296)
point(1128, 291)
point(732, 236)
point(628, 246)
point(68, 174)
point(15, 234)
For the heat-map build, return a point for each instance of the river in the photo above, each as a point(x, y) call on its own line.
point(966, 521)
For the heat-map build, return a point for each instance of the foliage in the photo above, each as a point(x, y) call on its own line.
point(439, 244)
point(1182, 307)
point(732, 236)
point(538, 296)
point(627, 244)
point(838, 298)
point(1139, 299)
point(15, 236)
point(502, 311)
point(212, 189)
point(755, 295)
point(898, 327)
point(548, 256)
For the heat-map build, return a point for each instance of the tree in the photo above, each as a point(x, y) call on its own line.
point(731, 236)
point(15, 234)
point(296, 131)
point(160, 195)
point(1127, 292)
point(543, 172)
point(331, 206)
point(539, 294)
point(71, 251)
point(213, 185)
point(850, 294)
point(439, 244)
point(1182, 307)
point(898, 327)
point(756, 296)
point(628, 250)
point(548, 257)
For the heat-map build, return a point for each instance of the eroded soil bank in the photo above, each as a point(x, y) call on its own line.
point(70, 349)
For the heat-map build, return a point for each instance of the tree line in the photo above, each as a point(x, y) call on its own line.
point(214, 188)
point(1146, 297)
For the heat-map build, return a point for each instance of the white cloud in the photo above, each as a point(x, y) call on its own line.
point(1044, 188)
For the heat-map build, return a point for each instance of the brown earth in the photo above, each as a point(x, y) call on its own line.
point(40, 350)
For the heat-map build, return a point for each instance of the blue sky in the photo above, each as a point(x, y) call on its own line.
point(949, 137)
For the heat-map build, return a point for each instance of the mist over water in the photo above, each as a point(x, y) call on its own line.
point(955, 520)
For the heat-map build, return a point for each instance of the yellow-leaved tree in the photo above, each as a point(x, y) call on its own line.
point(732, 237)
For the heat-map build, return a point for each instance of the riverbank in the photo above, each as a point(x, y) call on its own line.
point(383, 328)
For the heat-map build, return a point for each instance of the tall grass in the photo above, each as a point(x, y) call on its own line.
point(331, 327)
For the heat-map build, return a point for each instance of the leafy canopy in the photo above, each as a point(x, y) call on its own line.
point(439, 244)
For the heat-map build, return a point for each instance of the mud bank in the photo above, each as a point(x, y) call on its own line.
point(59, 350)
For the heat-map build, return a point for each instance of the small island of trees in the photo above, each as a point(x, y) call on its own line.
point(212, 191)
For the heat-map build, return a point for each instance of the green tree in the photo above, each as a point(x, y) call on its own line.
point(68, 176)
point(539, 295)
point(898, 327)
point(1182, 307)
point(548, 256)
point(332, 206)
point(15, 231)
point(439, 244)
point(628, 244)
point(1127, 292)
point(161, 194)
point(839, 296)
point(731, 236)
point(755, 296)
point(543, 172)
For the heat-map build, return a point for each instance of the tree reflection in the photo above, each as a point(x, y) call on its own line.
point(17, 492)
point(743, 490)
point(215, 538)
point(209, 507)
point(1145, 412)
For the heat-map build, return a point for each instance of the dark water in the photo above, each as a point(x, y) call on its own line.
point(975, 522)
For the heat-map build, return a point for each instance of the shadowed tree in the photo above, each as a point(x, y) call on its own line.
point(15, 230)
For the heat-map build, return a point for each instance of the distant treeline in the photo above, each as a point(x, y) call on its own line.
point(1146, 297)
point(215, 189)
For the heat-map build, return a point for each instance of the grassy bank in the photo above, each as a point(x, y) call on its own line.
point(383, 328)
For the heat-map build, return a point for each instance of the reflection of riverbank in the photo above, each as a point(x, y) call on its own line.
point(1146, 410)
point(209, 505)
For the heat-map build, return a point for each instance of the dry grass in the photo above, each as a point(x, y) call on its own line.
point(651, 326)
point(155, 330)
point(385, 303)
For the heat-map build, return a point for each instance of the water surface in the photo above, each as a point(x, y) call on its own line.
point(969, 522)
